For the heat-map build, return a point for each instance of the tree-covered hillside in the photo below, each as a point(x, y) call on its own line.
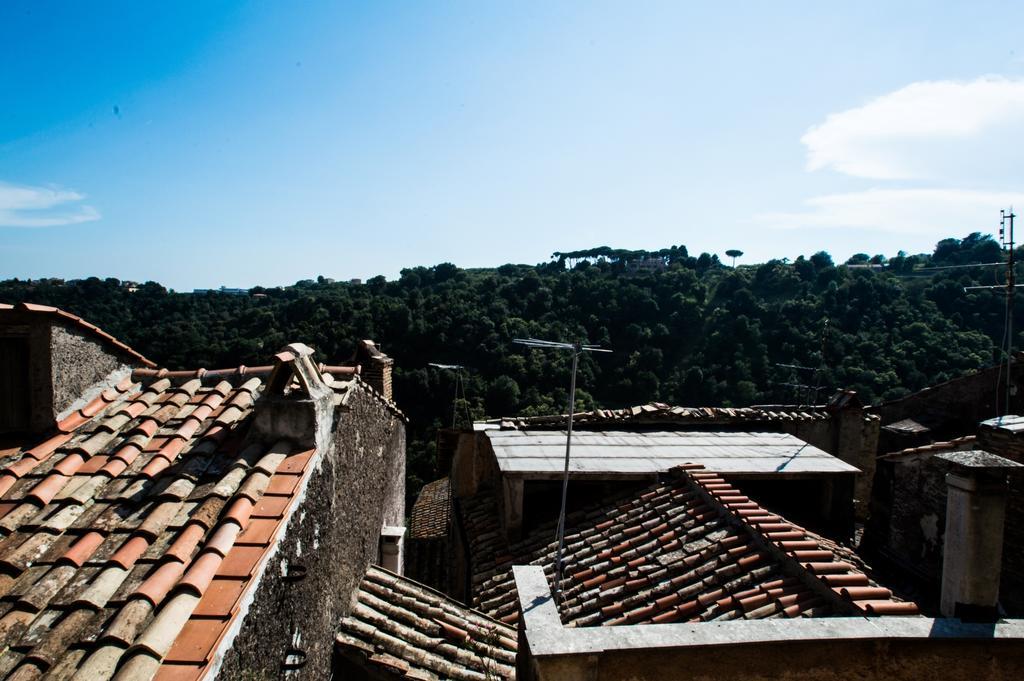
point(689, 331)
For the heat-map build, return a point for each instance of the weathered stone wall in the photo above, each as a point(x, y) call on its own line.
point(77, 363)
point(914, 490)
point(333, 533)
point(909, 523)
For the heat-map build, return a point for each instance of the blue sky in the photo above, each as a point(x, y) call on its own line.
point(217, 143)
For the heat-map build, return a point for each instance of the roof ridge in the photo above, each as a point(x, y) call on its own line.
point(841, 581)
point(662, 412)
point(945, 445)
point(80, 324)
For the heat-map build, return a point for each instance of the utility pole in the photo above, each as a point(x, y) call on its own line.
point(1010, 289)
point(1007, 241)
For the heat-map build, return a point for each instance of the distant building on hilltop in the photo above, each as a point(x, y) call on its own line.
point(223, 289)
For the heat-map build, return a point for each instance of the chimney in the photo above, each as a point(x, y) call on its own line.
point(1003, 435)
point(376, 367)
point(973, 550)
point(297, 404)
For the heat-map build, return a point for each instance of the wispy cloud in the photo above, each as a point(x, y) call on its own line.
point(911, 211)
point(31, 206)
point(932, 130)
point(959, 138)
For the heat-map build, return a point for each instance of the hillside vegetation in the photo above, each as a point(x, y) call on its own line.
point(696, 332)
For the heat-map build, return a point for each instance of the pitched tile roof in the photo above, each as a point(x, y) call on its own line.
point(690, 548)
point(128, 537)
point(661, 413)
point(431, 513)
point(405, 629)
point(78, 323)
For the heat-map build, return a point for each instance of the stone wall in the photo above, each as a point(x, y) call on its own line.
point(908, 525)
point(909, 518)
point(78, 363)
point(332, 533)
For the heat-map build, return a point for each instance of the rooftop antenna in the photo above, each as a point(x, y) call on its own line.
point(459, 386)
point(801, 391)
point(577, 349)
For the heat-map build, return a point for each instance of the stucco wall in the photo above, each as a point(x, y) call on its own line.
point(333, 532)
point(833, 660)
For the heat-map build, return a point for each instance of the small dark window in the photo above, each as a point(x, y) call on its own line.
point(14, 385)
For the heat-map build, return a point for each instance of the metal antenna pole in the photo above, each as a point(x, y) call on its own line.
point(457, 368)
point(565, 473)
point(455, 399)
point(577, 348)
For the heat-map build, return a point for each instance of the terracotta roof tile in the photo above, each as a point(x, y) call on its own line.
point(259, 532)
point(660, 413)
point(431, 514)
point(116, 530)
point(241, 561)
point(220, 597)
point(401, 626)
point(622, 568)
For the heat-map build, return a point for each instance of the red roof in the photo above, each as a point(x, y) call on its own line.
point(131, 536)
point(80, 324)
point(691, 548)
point(666, 414)
point(406, 630)
point(431, 513)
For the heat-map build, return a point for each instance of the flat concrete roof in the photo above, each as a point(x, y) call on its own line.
point(541, 453)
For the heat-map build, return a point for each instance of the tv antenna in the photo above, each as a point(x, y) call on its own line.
point(460, 387)
point(802, 391)
point(577, 349)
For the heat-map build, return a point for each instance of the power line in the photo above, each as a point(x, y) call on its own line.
point(1006, 240)
point(577, 349)
point(955, 267)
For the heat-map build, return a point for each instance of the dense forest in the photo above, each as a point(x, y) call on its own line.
point(689, 330)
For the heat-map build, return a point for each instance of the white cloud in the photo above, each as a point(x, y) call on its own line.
point(28, 206)
point(943, 212)
point(934, 130)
